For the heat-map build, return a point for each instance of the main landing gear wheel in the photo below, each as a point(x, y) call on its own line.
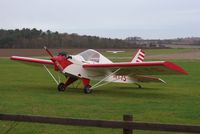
point(87, 89)
point(61, 87)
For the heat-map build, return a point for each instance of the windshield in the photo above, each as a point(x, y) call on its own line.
point(90, 55)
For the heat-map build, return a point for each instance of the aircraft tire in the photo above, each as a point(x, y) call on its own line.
point(87, 89)
point(61, 87)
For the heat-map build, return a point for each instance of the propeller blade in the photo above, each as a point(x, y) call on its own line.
point(48, 51)
point(55, 62)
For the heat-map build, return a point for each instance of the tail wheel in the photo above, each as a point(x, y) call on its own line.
point(139, 86)
point(87, 89)
point(61, 87)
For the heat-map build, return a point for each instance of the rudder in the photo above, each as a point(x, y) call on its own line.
point(138, 57)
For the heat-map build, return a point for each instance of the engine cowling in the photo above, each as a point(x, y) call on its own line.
point(60, 62)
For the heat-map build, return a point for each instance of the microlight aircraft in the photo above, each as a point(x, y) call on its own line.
point(92, 65)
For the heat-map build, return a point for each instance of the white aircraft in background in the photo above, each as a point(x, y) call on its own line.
point(91, 65)
point(115, 51)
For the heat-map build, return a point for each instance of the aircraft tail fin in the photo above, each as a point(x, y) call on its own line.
point(138, 56)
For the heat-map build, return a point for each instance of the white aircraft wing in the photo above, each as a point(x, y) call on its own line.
point(131, 69)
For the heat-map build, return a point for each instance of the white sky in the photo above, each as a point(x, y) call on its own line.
point(105, 18)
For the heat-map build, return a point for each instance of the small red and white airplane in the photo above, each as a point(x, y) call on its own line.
point(91, 65)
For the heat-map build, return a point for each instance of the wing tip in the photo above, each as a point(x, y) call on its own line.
point(33, 60)
point(13, 57)
point(175, 67)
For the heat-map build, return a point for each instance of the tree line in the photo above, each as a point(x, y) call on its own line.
point(33, 38)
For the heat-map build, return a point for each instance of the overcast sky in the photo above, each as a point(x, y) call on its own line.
point(105, 18)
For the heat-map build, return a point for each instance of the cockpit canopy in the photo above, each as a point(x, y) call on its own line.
point(94, 56)
point(90, 55)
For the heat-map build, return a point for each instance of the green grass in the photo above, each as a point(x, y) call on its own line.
point(128, 53)
point(29, 90)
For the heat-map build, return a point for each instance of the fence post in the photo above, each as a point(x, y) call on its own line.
point(128, 118)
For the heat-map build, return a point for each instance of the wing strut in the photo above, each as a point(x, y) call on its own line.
point(51, 75)
point(98, 84)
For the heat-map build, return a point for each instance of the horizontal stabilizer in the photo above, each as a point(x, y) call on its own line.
point(141, 78)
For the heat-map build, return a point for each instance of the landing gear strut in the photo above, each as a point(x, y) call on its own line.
point(63, 86)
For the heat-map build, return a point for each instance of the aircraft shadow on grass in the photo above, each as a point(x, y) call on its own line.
point(124, 92)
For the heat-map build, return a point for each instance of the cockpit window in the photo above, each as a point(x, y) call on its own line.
point(90, 55)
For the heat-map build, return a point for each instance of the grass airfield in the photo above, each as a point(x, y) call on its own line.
point(29, 90)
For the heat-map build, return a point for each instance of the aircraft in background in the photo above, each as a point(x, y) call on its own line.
point(115, 51)
point(92, 65)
